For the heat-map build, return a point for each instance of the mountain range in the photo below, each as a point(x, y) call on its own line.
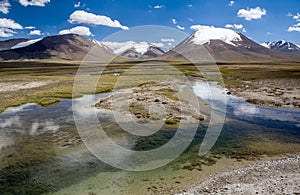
point(282, 46)
point(221, 44)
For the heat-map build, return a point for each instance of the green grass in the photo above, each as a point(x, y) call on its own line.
point(62, 87)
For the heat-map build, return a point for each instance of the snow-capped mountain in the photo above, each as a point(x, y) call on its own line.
point(282, 45)
point(152, 52)
point(205, 35)
point(223, 45)
point(135, 50)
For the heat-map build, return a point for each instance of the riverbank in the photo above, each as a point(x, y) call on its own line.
point(277, 176)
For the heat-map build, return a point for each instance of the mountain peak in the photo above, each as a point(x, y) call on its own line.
point(282, 45)
point(205, 35)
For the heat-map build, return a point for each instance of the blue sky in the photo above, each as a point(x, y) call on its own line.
point(261, 20)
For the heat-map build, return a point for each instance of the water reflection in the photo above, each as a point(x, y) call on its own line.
point(42, 152)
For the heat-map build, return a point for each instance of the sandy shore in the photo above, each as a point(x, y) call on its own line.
point(280, 176)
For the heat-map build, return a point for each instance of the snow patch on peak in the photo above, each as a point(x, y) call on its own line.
point(266, 44)
point(140, 47)
point(25, 44)
point(205, 35)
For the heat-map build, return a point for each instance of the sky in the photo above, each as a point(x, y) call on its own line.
point(260, 20)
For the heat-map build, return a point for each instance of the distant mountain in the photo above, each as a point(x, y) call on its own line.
point(8, 44)
point(131, 53)
point(282, 46)
point(152, 52)
point(66, 47)
point(132, 49)
point(225, 45)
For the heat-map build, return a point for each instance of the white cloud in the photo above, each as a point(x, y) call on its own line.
point(35, 32)
point(7, 27)
point(174, 21)
point(83, 17)
point(268, 33)
point(231, 3)
point(10, 24)
point(289, 14)
point(234, 26)
point(180, 27)
point(30, 27)
point(200, 27)
point(158, 6)
point(4, 6)
point(297, 24)
point(77, 4)
point(190, 5)
point(40, 3)
point(80, 30)
point(252, 13)
point(294, 28)
point(296, 17)
point(5, 32)
point(167, 40)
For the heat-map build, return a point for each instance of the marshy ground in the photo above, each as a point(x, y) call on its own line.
point(241, 142)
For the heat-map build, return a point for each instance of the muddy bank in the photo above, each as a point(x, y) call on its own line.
point(270, 92)
point(167, 101)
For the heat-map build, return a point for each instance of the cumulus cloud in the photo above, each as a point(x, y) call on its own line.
point(190, 5)
point(7, 27)
point(167, 40)
point(294, 28)
point(180, 27)
point(4, 6)
point(236, 27)
point(174, 21)
point(5, 32)
point(252, 13)
point(296, 17)
point(83, 17)
point(200, 27)
point(40, 3)
point(77, 4)
point(35, 32)
point(231, 3)
point(268, 33)
point(9, 23)
point(158, 6)
point(80, 30)
point(297, 24)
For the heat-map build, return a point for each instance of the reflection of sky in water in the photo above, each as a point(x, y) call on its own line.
point(241, 109)
point(32, 119)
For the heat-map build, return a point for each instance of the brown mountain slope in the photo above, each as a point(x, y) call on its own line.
point(66, 47)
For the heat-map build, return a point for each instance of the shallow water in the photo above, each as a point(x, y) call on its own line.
point(41, 150)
